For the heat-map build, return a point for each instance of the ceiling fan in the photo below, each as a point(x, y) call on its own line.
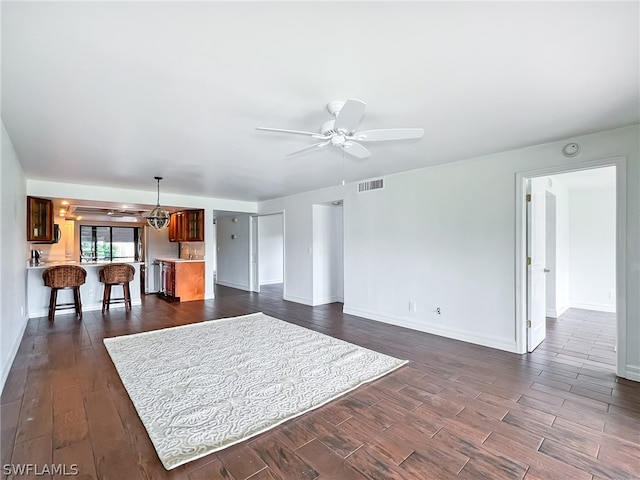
point(341, 130)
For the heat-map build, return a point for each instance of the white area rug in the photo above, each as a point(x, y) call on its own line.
point(202, 387)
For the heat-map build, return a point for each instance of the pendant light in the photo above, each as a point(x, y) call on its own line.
point(158, 218)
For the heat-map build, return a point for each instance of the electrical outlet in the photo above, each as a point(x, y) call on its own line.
point(438, 311)
point(412, 306)
point(22, 311)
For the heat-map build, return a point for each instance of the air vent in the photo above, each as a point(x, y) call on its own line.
point(370, 185)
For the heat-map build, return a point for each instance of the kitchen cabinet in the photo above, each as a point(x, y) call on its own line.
point(39, 220)
point(183, 279)
point(193, 226)
point(176, 227)
point(187, 226)
point(169, 278)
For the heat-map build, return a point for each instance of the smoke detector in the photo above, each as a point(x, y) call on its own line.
point(571, 150)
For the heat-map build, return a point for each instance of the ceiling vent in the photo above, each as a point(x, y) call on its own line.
point(370, 185)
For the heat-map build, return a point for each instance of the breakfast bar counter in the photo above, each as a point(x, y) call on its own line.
point(91, 292)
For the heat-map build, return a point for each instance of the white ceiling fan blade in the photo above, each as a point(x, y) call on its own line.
point(355, 149)
point(297, 132)
point(349, 115)
point(310, 147)
point(387, 134)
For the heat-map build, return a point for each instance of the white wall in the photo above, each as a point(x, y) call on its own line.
point(233, 253)
point(550, 232)
point(298, 232)
point(271, 249)
point(336, 246)
point(592, 226)
point(328, 268)
point(448, 241)
point(13, 255)
point(561, 261)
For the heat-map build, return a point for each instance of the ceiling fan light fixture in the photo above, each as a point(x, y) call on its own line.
point(340, 131)
point(159, 217)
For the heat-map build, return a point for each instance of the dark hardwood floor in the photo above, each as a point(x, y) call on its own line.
point(456, 411)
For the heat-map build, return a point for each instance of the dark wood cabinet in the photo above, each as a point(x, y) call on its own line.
point(187, 226)
point(169, 278)
point(39, 220)
point(176, 227)
point(193, 226)
point(183, 280)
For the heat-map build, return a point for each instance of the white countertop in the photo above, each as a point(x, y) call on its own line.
point(181, 260)
point(73, 262)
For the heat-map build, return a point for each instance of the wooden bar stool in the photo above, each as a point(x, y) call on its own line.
point(61, 277)
point(116, 274)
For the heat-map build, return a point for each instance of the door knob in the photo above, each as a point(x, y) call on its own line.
point(546, 270)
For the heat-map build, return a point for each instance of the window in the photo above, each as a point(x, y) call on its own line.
point(108, 244)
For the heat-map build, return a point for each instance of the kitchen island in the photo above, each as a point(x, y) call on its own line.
point(182, 279)
point(90, 293)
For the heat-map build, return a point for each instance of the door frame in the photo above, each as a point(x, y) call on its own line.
point(254, 248)
point(620, 162)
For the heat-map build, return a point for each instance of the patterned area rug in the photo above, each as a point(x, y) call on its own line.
point(202, 387)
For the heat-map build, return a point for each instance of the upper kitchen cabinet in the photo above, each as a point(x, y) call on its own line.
point(39, 220)
point(193, 225)
point(176, 227)
point(187, 226)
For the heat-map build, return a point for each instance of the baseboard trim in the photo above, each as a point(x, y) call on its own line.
point(271, 282)
point(246, 288)
point(43, 312)
point(6, 368)
point(464, 336)
point(551, 313)
point(598, 307)
point(302, 300)
point(632, 372)
point(327, 300)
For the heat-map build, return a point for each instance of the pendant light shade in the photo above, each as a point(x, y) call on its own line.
point(159, 217)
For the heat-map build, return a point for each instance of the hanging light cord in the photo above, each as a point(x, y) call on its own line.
point(158, 198)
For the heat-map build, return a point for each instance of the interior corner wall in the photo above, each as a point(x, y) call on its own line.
point(13, 255)
point(298, 235)
point(449, 241)
point(592, 261)
point(270, 249)
point(233, 253)
point(327, 254)
point(337, 257)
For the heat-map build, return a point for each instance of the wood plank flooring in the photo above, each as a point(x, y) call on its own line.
point(456, 411)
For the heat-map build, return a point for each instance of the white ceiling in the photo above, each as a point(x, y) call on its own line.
point(115, 93)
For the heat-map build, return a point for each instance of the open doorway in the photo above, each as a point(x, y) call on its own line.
point(574, 222)
point(267, 254)
point(328, 253)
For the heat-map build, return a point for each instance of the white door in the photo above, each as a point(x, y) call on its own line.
point(536, 258)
